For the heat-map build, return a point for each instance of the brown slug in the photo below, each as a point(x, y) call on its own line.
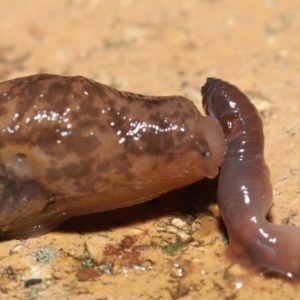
point(71, 146)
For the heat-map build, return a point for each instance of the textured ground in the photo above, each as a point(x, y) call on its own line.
point(173, 247)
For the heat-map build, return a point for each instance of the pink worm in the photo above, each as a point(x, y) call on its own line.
point(244, 189)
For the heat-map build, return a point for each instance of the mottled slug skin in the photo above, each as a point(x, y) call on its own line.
point(71, 146)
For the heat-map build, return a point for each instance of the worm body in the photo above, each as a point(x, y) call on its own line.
point(71, 146)
point(244, 189)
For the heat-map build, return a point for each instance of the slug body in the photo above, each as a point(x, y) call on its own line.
point(244, 189)
point(71, 146)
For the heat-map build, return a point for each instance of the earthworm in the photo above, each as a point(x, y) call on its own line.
point(244, 188)
point(71, 146)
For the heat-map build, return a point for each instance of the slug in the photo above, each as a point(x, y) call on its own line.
point(244, 188)
point(71, 146)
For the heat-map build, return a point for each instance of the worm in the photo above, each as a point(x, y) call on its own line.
point(244, 188)
point(71, 146)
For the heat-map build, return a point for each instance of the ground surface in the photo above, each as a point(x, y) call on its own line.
point(174, 247)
